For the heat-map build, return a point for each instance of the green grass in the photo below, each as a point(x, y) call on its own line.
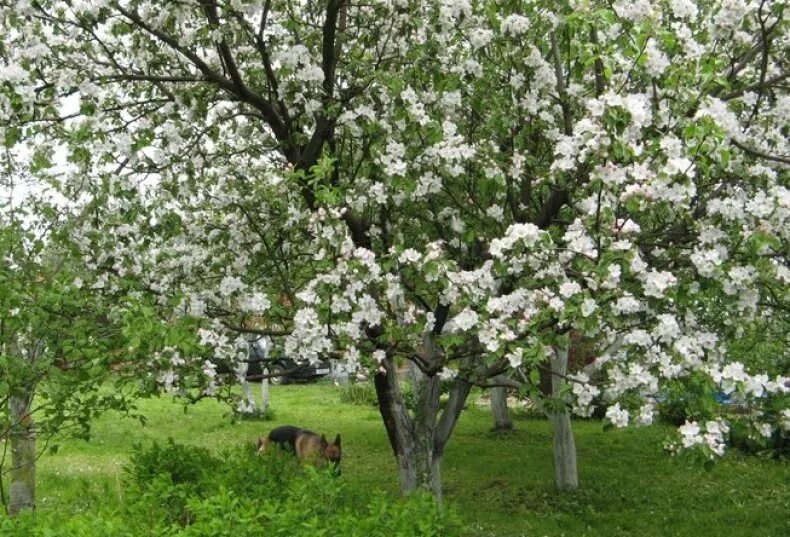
point(500, 483)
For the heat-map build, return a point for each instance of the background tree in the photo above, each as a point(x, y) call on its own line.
point(71, 346)
point(499, 410)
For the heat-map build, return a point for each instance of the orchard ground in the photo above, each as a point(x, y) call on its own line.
point(500, 483)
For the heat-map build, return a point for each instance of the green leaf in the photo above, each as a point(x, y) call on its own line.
point(534, 376)
point(12, 136)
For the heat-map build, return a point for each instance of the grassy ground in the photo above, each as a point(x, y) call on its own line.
point(500, 483)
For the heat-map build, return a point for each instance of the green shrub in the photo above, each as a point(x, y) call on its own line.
point(745, 436)
point(360, 394)
point(182, 464)
point(687, 399)
point(29, 524)
point(180, 491)
point(694, 399)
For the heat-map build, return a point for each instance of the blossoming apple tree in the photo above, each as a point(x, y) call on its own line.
point(454, 184)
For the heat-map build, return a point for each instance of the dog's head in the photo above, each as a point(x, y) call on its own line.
point(332, 451)
point(263, 444)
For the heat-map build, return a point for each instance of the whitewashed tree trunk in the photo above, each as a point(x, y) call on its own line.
point(22, 434)
point(248, 397)
point(499, 410)
point(22, 490)
point(565, 472)
point(264, 391)
point(337, 373)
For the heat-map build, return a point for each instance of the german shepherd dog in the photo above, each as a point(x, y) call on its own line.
point(305, 444)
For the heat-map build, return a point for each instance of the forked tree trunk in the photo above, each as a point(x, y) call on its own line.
point(22, 491)
point(418, 440)
point(420, 469)
point(502, 421)
point(565, 473)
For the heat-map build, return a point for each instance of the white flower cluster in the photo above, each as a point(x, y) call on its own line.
point(308, 341)
point(515, 25)
point(256, 303)
point(733, 377)
point(450, 11)
point(617, 416)
point(452, 149)
point(229, 285)
point(584, 394)
point(527, 234)
point(785, 423)
point(713, 436)
point(635, 11)
point(657, 62)
point(210, 370)
point(656, 283)
point(684, 9)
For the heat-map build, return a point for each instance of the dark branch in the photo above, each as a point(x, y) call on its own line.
point(759, 154)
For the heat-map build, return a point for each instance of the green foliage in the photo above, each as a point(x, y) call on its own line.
point(364, 394)
point(745, 436)
point(186, 491)
point(762, 345)
point(360, 393)
point(687, 399)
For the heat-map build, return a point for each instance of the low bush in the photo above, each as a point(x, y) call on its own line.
point(183, 491)
point(361, 394)
point(745, 433)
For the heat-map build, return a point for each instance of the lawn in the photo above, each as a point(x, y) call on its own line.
point(500, 483)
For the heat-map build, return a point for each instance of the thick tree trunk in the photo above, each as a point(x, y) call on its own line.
point(502, 421)
point(418, 440)
point(565, 473)
point(22, 492)
point(419, 468)
point(419, 463)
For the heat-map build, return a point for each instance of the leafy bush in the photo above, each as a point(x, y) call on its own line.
point(687, 399)
point(29, 524)
point(360, 394)
point(695, 399)
point(745, 435)
point(180, 463)
point(183, 491)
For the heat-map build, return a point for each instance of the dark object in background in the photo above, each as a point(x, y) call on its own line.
point(277, 365)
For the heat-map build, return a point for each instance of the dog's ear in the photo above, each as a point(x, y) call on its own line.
point(337, 440)
point(324, 443)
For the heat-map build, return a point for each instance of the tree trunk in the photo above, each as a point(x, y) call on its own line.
point(22, 493)
point(418, 440)
point(338, 374)
point(264, 392)
point(565, 474)
point(419, 468)
point(502, 421)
